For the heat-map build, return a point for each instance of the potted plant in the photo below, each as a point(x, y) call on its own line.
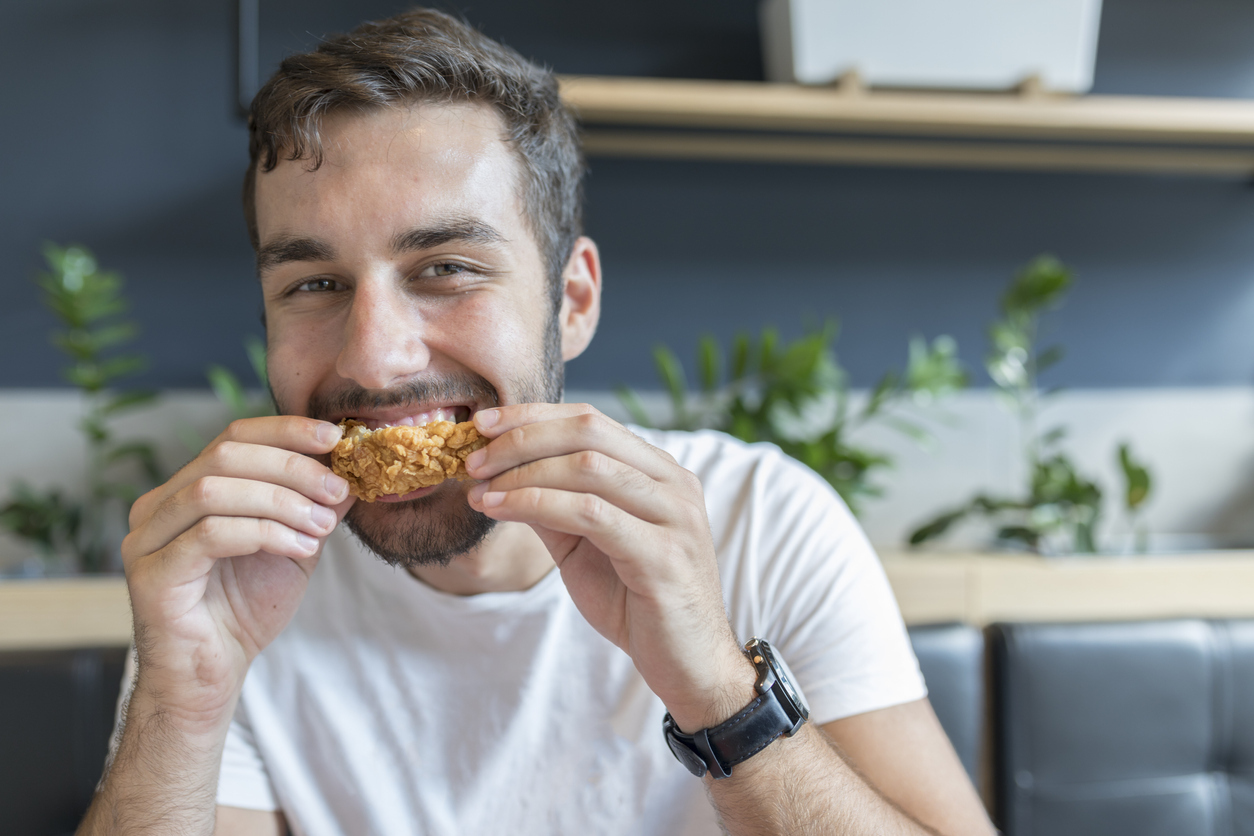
point(796, 395)
point(78, 532)
point(1059, 508)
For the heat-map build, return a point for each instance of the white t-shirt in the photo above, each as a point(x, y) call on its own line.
point(387, 707)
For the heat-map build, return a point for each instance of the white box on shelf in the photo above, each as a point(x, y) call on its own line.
point(955, 44)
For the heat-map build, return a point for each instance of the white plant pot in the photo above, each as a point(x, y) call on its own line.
point(956, 44)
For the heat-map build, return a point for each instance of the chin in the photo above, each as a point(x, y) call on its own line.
point(428, 531)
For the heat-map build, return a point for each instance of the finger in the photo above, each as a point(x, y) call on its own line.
point(262, 463)
point(289, 432)
point(611, 530)
point(193, 553)
point(560, 436)
point(226, 496)
point(589, 471)
point(501, 419)
point(292, 433)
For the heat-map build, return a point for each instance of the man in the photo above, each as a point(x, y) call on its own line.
point(413, 198)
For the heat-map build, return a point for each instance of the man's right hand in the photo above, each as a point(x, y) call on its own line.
point(219, 557)
point(217, 561)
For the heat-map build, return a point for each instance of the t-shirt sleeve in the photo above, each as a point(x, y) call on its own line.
point(808, 581)
point(243, 780)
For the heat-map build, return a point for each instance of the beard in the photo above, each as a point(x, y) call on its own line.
point(434, 529)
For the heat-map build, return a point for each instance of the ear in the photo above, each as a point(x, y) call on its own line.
point(581, 298)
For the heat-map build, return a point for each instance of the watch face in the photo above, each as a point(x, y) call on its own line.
point(783, 675)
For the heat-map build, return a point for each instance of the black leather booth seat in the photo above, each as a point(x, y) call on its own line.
point(57, 709)
point(1143, 729)
point(951, 657)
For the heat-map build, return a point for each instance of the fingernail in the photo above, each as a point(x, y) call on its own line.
point(475, 460)
point(337, 486)
point(476, 493)
point(322, 516)
point(493, 498)
point(305, 543)
point(485, 418)
point(329, 433)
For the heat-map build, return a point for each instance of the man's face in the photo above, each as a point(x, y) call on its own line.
point(403, 285)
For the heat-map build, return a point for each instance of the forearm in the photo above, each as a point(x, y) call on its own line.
point(802, 785)
point(164, 776)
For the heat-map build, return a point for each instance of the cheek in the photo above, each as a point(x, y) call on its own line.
point(296, 359)
point(502, 336)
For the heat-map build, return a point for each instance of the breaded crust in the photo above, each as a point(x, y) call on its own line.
point(397, 460)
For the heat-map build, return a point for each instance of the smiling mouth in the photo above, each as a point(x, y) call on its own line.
point(457, 414)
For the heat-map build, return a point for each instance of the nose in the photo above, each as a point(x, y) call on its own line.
point(383, 341)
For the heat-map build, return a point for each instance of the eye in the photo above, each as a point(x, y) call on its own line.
point(320, 285)
point(443, 270)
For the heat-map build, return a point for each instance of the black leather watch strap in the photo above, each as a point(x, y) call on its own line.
point(750, 731)
point(737, 739)
point(778, 710)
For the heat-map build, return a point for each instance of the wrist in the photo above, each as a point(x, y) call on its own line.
point(202, 721)
point(733, 690)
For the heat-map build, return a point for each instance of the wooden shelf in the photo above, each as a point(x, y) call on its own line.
point(982, 589)
point(775, 122)
point(64, 613)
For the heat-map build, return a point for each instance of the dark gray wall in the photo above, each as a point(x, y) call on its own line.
point(118, 131)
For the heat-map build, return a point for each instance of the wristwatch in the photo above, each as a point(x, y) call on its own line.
point(778, 710)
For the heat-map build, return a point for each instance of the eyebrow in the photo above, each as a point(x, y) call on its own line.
point(291, 248)
point(429, 237)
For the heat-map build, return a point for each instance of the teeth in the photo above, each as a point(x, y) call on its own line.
point(444, 413)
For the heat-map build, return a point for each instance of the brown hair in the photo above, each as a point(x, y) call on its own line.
point(427, 56)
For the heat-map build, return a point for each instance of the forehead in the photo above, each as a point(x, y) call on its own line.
point(396, 166)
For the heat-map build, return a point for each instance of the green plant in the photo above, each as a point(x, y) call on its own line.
point(240, 402)
point(1137, 484)
point(1060, 508)
point(797, 396)
point(88, 303)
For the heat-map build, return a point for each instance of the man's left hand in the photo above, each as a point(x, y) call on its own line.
point(627, 528)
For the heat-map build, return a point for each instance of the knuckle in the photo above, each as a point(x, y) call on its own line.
point(272, 533)
point(218, 457)
point(593, 462)
point(209, 529)
point(204, 492)
point(279, 498)
point(692, 481)
point(130, 547)
point(167, 508)
point(141, 509)
point(667, 455)
point(294, 465)
point(591, 509)
point(235, 429)
point(515, 437)
point(589, 422)
point(531, 498)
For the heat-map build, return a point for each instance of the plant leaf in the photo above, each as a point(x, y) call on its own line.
point(1136, 479)
point(228, 389)
point(256, 350)
point(672, 374)
point(631, 402)
point(128, 400)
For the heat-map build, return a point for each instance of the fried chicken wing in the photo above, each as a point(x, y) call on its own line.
point(397, 460)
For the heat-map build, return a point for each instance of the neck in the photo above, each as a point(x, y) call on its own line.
point(512, 558)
